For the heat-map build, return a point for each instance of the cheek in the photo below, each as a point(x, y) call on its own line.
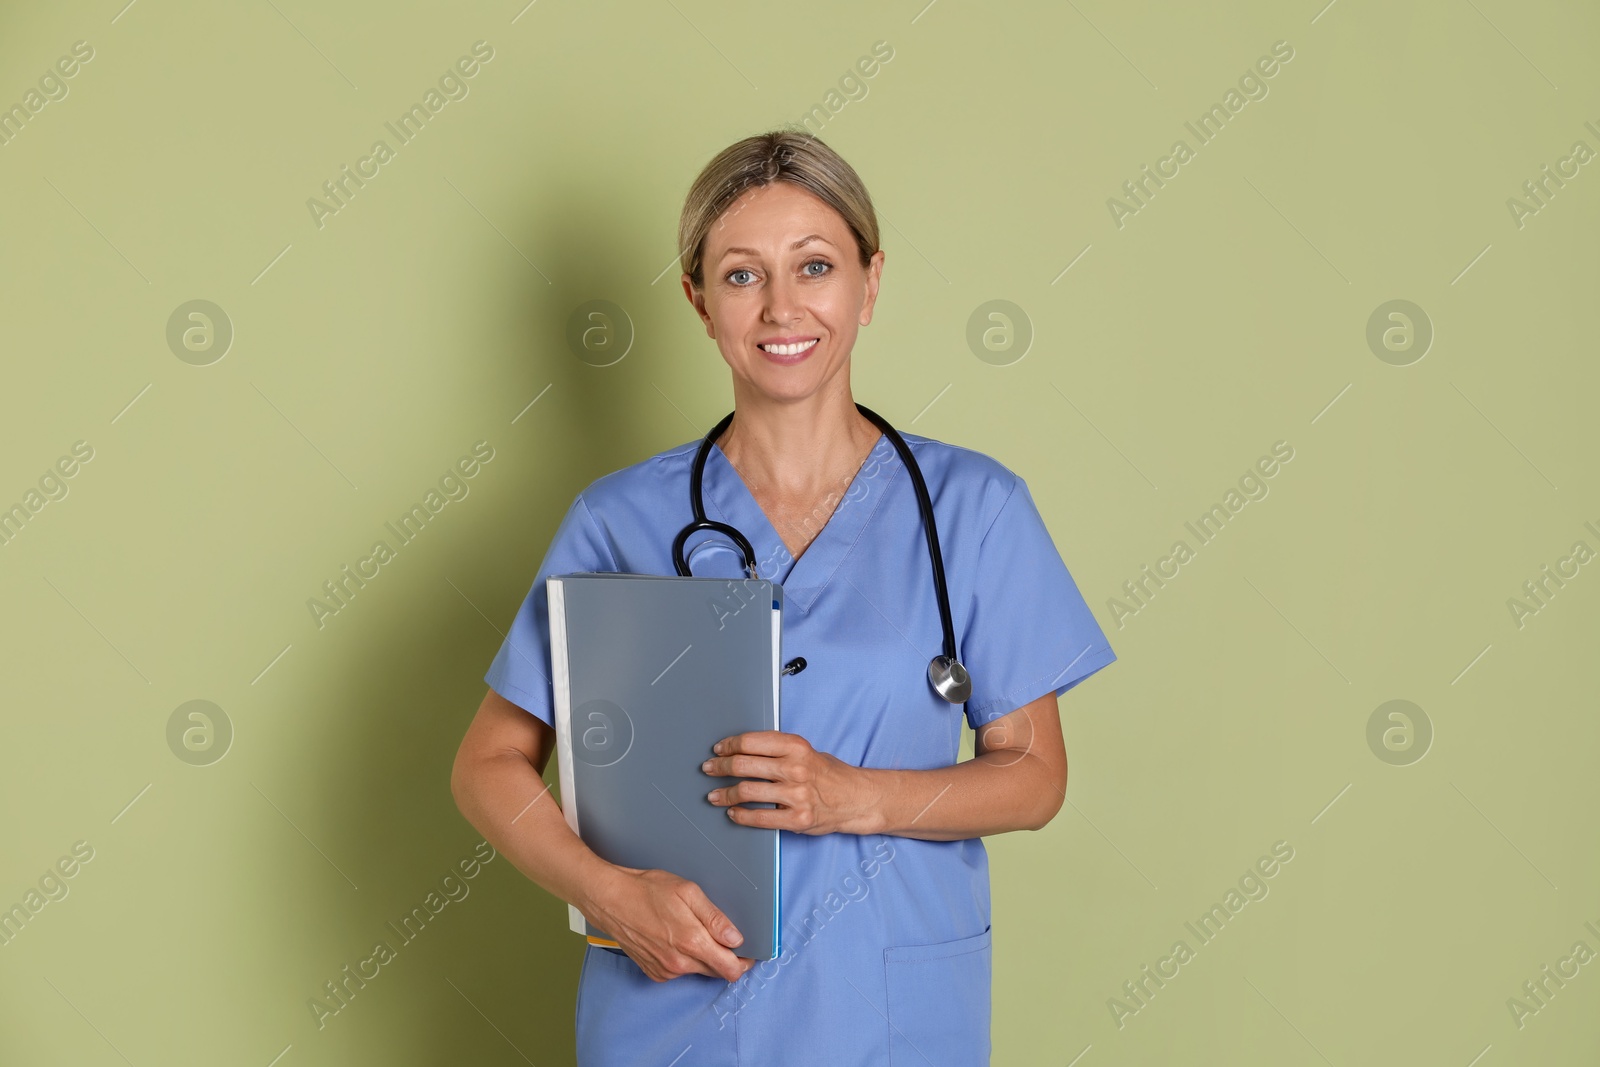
point(725, 323)
point(840, 308)
point(842, 327)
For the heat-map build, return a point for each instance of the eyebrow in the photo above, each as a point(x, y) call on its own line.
point(804, 240)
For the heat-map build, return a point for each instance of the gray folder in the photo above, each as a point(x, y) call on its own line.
point(649, 671)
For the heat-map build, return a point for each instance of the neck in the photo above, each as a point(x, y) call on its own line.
point(797, 447)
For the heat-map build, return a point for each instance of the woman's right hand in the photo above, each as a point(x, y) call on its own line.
point(667, 925)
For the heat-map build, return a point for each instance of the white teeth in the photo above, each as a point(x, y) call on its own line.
point(788, 350)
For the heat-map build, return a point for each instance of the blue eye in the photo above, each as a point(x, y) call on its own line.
point(805, 270)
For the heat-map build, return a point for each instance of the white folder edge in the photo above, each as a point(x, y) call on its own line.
point(563, 706)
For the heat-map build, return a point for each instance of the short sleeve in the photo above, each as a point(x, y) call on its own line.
point(521, 669)
point(1029, 631)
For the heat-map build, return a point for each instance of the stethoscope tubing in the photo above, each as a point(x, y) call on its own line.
point(700, 521)
point(924, 505)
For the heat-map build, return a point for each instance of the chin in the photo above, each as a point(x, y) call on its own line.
point(787, 389)
point(786, 386)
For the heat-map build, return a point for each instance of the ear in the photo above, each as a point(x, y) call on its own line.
point(874, 275)
point(698, 299)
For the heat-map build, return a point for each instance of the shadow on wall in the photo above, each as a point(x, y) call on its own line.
point(501, 953)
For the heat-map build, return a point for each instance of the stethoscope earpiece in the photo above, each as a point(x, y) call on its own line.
point(945, 672)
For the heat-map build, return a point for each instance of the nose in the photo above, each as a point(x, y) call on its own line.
point(783, 303)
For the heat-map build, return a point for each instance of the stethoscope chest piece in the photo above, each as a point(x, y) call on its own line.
point(950, 679)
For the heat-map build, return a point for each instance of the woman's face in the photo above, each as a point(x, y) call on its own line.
point(781, 268)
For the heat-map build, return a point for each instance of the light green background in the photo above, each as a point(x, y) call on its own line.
point(1228, 314)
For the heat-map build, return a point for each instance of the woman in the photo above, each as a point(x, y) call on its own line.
point(885, 888)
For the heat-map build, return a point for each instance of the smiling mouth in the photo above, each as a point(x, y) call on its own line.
point(788, 350)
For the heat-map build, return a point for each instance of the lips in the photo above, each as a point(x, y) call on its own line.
point(789, 350)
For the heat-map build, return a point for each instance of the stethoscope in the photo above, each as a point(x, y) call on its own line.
point(945, 672)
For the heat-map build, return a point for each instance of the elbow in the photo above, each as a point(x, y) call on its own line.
point(1054, 797)
point(457, 790)
point(461, 778)
point(1043, 820)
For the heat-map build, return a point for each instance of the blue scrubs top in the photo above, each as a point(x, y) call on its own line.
point(886, 944)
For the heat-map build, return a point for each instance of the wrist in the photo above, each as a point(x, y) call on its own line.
point(597, 889)
point(871, 792)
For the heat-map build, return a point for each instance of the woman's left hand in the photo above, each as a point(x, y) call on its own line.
point(816, 793)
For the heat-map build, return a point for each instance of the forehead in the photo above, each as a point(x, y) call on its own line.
point(771, 217)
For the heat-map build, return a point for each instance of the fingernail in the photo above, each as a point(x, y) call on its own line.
point(706, 766)
point(712, 795)
point(717, 748)
point(733, 937)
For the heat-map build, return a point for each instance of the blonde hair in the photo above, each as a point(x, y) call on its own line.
point(779, 155)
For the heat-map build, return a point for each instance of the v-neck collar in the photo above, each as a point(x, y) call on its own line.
point(803, 579)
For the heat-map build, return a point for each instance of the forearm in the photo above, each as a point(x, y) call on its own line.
point(503, 797)
point(992, 793)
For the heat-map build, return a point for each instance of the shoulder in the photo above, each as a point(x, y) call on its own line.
point(957, 462)
point(638, 483)
point(975, 484)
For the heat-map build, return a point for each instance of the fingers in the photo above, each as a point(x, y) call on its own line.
point(769, 819)
point(712, 960)
point(750, 791)
point(800, 820)
point(797, 807)
point(728, 966)
point(761, 743)
point(744, 767)
point(722, 961)
point(730, 970)
point(716, 923)
point(669, 927)
point(693, 953)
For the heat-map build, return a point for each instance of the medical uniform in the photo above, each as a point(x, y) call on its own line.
point(886, 941)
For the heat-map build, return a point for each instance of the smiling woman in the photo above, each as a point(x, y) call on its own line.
point(768, 281)
point(781, 263)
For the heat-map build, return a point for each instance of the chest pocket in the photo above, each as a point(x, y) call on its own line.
point(939, 1004)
